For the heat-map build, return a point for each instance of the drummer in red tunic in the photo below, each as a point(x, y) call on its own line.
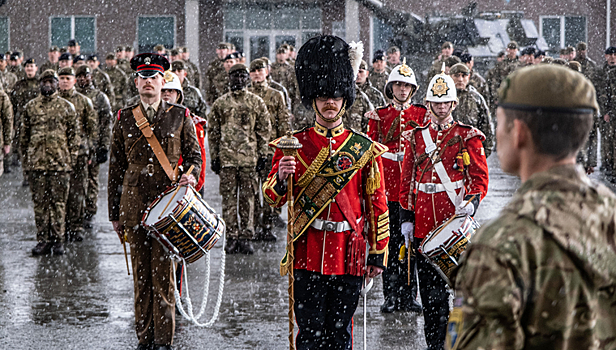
point(340, 210)
point(385, 126)
point(444, 167)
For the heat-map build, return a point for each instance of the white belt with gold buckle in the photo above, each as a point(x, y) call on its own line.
point(435, 188)
point(396, 157)
point(332, 226)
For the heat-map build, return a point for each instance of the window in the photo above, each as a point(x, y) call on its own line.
point(561, 31)
point(259, 27)
point(152, 31)
point(382, 33)
point(4, 34)
point(82, 29)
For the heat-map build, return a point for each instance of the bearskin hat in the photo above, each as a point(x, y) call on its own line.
point(326, 66)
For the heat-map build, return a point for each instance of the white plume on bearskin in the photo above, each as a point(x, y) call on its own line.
point(356, 53)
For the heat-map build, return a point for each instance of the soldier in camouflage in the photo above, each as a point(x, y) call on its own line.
point(393, 57)
point(542, 275)
point(472, 108)
point(52, 59)
point(123, 64)
point(355, 117)
point(214, 68)
point(588, 65)
point(100, 79)
point(15, 66)
point(6, 127)
point(280, 123)
point(102, 107)
point(500, 71)
point(437, 64)
point(607, 109)
point(7, 79)
point(49, 142)
point(119, 81)
point(194, 74)
point(220, 85)
point(192, 96)
point(476, 80)
point(239, 128)
point(379, 72)
point(276, 85)
point(87, 127)
point(284, 73)
point(363, 82)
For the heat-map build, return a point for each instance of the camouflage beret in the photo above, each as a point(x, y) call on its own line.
point(183, 49)
point(393, 49)
point(129, 48)
point(549, 88)
point(281, 49)
point(257, 64)
point(447, 45)
point(238, 67)
point(512, 45)
point(83, 70)
point(110, 56)
point(547, 60)
point(569, 49)
point(177, 65)
point(54, 49)
point(174, 52)
point(266, 60)
point(66, 71)
point(49, 73)
point(224, 46)
point(581, 46)
point(563, 51)
point(363, 65)
point(575, 65)
point(459, 68)
point(452, 60)
point(159, 48)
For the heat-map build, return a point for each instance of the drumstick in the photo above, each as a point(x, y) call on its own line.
point(469, 200)
point(175, 192)
point(125, 254)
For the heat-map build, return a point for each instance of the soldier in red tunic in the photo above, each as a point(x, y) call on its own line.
point(340, 216)
point(444, 167)
point(385, 126)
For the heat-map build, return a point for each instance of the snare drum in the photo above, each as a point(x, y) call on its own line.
point(188, 227)
point(444, 245)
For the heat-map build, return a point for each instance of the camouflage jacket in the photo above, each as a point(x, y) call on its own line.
point(119, 81)
point(102, 81)
point(193, 74)
point(496, 75)
point(6, 119)
point(49, 139)
point(473, 110)
point(479, 83)
point(239, 129)
point(8, 80)
point(18, 70)
point(285, 75)
point(355, 117)
point(278, 112)
point(102, 107)
point(277, 86)
point(605, 96)
point(124, 65)
point(214, 69)
point(136, 177)
point(131, 89)
point(193, 99)
point(23, 91)
point(219, 86)
point(374, 95)
point(87, 120)
point(48, 65)
point(543, 274)
point(379, 80)
point(588, 66)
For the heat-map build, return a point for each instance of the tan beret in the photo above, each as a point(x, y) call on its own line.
point(459, 68)
point(363, 65)
point(238, 67)
point(452, 60)
point(49, 73)
point(66, 71)
point(550, 88)
point(257, 64)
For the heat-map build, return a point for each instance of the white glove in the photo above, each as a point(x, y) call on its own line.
point(407, 231)
point(469, 209)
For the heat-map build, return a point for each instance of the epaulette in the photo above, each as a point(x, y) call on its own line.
point(465, 125)
point(275, 142)
point(360, 133)
point(171, 105)
point(127, 108)
point(377, 148)
point(373, 114)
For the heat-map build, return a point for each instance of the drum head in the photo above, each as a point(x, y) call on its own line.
point(157, 209)
point(442, 235)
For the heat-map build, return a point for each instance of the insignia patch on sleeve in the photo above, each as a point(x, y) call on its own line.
point(456, 322)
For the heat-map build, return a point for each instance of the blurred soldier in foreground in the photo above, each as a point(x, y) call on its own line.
point(49, 142)
point(279, 120)
point(6, 128)
point(52, 59)
point(239, 128)
point(102, 107)
point(87, 126)
point(386, 125)
point(542, 274)
point(363, 82)
point(472, 108)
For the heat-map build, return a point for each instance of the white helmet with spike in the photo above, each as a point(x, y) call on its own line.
point(401, 73)
point(442, 88)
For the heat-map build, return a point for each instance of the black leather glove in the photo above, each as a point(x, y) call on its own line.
point(102, 155)
point(216, 166)
point(261, 164)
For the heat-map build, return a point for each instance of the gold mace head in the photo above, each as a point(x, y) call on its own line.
point(289, 144)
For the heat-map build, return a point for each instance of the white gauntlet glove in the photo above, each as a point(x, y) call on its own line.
point(469, 209)
point(407, 231)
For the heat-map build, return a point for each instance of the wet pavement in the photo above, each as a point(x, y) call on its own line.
point(84, 299)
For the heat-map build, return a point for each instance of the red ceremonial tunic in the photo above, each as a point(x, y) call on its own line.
point(433, 209)
point(325, 251)
point(381, 121)
point(200, 126)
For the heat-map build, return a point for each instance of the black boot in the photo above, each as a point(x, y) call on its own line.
point(144, 347)
point(411, 306)
point(43, 248)
point(266, 235)
point(231, 246)
point(57, 248)
point(245, 247)
point(74, 236)
point(88, 221)
point(278, 222)
point(163, 347)
point(389, 305)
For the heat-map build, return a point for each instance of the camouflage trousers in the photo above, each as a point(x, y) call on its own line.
point(268, 214)
point(153, 287)
point(49, 194)
point(77, 195)
point(92, 190)
point(607, 130)
point(237, 188)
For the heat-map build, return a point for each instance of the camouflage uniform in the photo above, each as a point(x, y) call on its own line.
point(48, 65)
point(102, 107)
point(355, 117)
point(279, 120)
point(6, 125)
point(193, 73)
point(473, 110)
point(607, 102)
point(131, 89)
point(479, 83)
point(193, 99)
point(119, 81)
point(87, 127)
point(302, 117)
point(23, 91)
point(124, 65)
point(18, 70)
point(277, 86)
point(374, 95)
point(8, 80)
point(285, 75)
point(588, 66)
point(102, 81)
point(214, 69)
point(495, 76)
point(379, 80)
point(542, 275)
point(219, 86)
point(238, 133)
point(49, 143)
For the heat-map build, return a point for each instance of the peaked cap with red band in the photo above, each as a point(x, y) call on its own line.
point(148, 65)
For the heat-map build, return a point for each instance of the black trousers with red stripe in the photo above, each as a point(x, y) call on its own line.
point(324, 308)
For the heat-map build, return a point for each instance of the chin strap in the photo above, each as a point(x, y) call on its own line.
point(329, 120)
point(408, 98)
point(450, 109)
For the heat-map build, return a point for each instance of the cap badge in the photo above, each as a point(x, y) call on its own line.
point(405, 70)
point(168, 77)
point(147, 60)
point(440, 88)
